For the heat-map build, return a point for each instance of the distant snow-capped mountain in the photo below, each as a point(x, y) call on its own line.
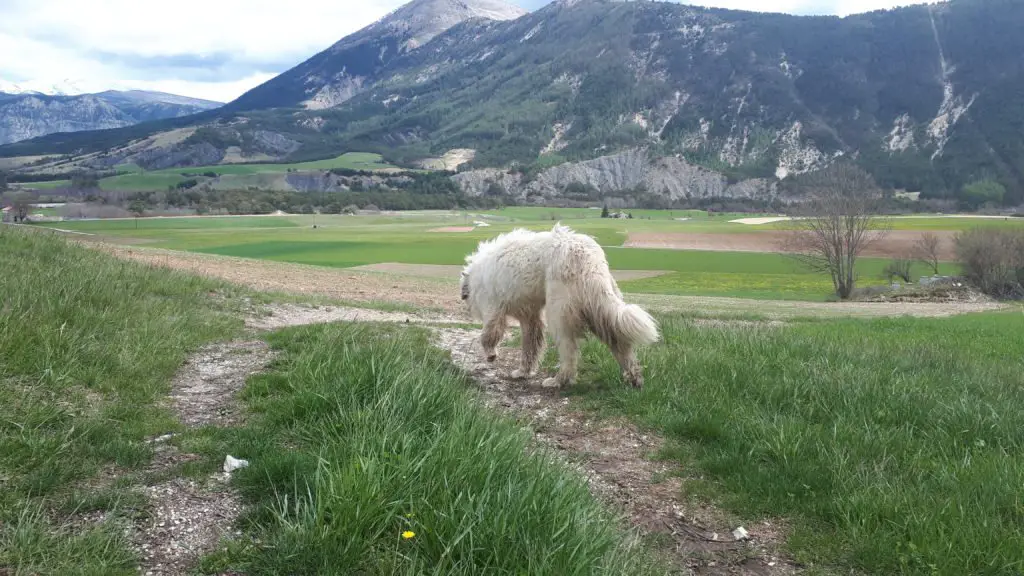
point(63, 88)
point(29, 110)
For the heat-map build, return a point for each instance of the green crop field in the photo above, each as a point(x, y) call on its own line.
point(410, 238)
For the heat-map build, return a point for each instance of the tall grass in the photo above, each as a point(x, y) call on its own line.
point(893, 446)
point(364, 433)
point(88, 345)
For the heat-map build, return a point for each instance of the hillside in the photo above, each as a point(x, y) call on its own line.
point(29, 114)
point(677, 100)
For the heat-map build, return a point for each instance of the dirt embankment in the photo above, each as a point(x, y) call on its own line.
point(895, 244)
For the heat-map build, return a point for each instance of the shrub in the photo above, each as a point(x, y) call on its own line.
point(975, 195)
point(899, 268)
point(993, 260)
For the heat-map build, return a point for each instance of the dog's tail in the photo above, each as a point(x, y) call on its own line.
point(617, 321)
point(633, 324)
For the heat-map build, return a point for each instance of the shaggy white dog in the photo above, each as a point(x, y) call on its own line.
point(564, 274)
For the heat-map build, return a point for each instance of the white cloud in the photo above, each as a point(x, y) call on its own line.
point(50, 40)
point(217, 49)
point(808, 7)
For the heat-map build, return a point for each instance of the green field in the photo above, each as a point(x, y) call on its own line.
point(139, 179)
point(346, 241)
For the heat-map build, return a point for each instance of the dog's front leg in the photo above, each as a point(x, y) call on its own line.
point(533, 346)
point(494, 331)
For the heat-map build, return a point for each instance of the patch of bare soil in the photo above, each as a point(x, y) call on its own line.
point(268, 276)
point(453, 271)
point(614, 458)
point(278, 316)
point(895, 244)
point(782, 309)
point(204, 391)
point(188, 518)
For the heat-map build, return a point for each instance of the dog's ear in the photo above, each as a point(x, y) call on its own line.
point(465, 291)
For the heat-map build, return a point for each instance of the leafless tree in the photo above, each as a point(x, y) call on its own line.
point(835, 223)
point(21, 204)
point(927, 250)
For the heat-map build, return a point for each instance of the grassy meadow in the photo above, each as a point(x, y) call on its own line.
point(890, 446)
point(88, 346)
point(886, 446)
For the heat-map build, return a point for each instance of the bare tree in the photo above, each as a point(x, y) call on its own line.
point(927, 249)
point(21, 204)
point(836, 223)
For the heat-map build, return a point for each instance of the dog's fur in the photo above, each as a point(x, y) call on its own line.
point(522, 273)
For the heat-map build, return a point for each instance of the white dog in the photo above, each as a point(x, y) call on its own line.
point(565, 274)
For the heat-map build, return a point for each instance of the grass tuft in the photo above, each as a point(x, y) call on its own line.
point(367, 432)
point(895, 446)
point(88, 344)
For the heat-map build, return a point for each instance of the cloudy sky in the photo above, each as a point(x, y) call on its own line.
point(216, 49)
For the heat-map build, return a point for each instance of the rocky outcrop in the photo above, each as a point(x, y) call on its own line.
point(25, 116)
point(201, 154)
point(671, 177)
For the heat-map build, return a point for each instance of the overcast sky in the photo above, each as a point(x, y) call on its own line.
point(217, 49)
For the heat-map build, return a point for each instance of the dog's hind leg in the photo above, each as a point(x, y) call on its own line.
point(566, 332)
point(494, 331)
point(533, 345)
point(632, 372)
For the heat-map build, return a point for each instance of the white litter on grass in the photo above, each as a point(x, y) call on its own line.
point(231, 464)
point(740, 533)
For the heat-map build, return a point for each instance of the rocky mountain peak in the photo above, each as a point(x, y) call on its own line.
point(418, 22)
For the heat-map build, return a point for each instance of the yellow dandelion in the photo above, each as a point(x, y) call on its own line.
point(408, 534)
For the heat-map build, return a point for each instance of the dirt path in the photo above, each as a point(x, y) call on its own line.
point(613, 457)
point(188, 518)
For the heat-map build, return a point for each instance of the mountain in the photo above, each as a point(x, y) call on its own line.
point(337, 74)
point(652, 98)
point(29, 113)
point(65, 87)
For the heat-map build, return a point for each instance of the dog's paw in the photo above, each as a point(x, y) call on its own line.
point(519, 375)
point(551, 383)
point(634, 380)
point(492, 357)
